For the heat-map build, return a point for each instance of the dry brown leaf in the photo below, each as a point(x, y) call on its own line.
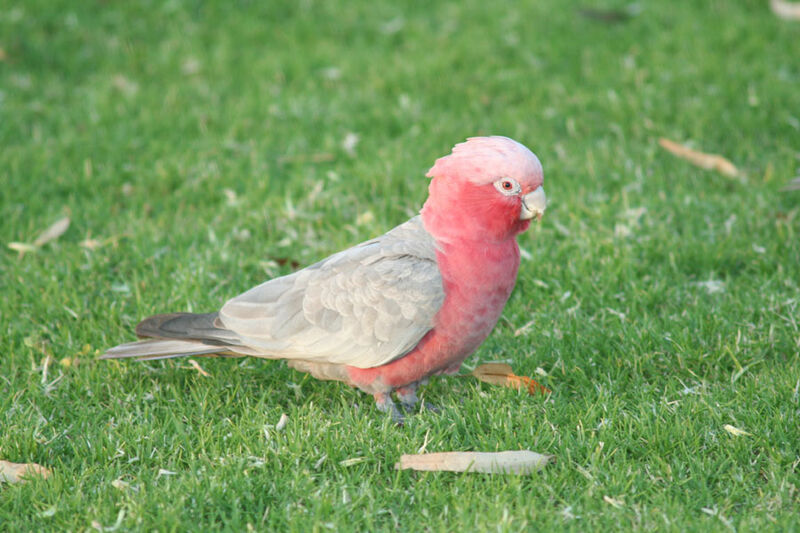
point(55, 231)
point(785, 10)
point(511, 462)
point(16, 472)
point(502, 374)
point(701, 159)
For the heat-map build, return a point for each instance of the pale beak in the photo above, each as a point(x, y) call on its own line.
point(533, 205)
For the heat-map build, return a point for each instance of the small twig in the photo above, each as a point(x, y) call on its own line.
point(199, 368)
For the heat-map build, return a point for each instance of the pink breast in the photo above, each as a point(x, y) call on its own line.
point(477, 281)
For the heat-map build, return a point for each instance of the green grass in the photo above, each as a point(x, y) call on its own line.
point(133, 118)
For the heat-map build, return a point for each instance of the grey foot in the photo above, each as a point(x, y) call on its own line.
point(428, 406)
point(385, 404)
point(408, 399)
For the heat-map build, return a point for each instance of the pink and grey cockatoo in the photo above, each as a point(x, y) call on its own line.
point(388, 313)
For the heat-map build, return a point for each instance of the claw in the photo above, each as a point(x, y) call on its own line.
point(408, 396)
point(385, 404)
point(408, 399)
point(428, 406)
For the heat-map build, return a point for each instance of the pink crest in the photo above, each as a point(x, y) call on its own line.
point(485, 159)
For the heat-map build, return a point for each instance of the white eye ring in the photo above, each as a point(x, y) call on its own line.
point(507, 186)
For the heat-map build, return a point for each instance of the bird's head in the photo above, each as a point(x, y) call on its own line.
point(486, 188)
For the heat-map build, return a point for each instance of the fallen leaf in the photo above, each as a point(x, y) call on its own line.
point(3, 55)
point(16, 472)
point(55, 231)
point(509, 462)
point(703, 160)
point(736, 432)
point(785, 10)
point(502, 374)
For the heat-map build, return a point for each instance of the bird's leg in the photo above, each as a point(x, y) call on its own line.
point(384, 402)
point(408, 397)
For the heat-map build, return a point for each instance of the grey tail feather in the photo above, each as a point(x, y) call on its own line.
point(204, 327)
point(161, 349)
point(177, 335)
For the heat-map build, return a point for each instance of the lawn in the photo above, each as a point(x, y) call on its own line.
point(199, 148)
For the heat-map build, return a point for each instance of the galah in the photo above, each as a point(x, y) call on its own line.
point(390, 312)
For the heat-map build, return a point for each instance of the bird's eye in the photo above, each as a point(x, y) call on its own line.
point(507, 186)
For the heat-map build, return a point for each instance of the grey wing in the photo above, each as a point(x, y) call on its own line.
point(363, 307)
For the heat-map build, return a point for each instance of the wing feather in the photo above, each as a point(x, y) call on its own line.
point(363, 307)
